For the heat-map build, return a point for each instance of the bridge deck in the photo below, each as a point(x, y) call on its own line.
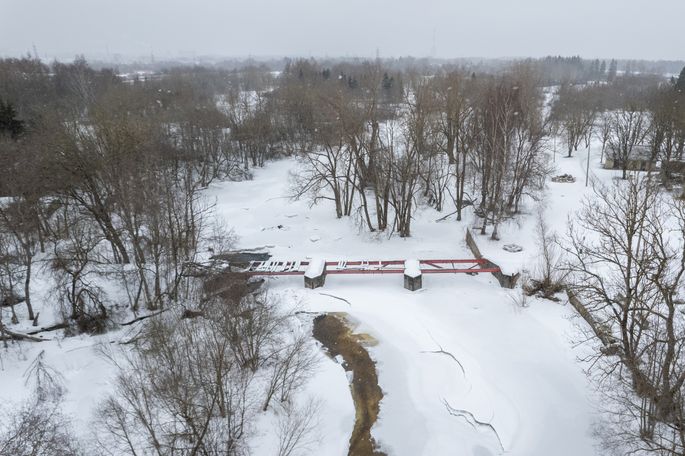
point(434, 266)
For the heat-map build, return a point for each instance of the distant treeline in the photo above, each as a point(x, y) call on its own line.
point(555, 68)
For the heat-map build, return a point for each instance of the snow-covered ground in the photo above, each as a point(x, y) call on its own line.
point(512, 368)
point(509, 375)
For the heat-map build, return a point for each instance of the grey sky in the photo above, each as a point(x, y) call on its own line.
point(651, 29)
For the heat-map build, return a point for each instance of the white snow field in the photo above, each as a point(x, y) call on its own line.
point(464, 369)
point(509, 375)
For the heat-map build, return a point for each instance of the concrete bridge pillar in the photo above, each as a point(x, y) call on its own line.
point(315, 275)
point(412, 275)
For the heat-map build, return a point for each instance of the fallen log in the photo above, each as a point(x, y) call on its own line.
point(607, 339)
point(190, 313)
point(54, 327)
point(135, 320)
point(7, 334)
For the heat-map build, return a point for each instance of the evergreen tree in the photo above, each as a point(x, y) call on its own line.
point(9, 124)
point(603, 68)
point(680, 84)
point(611, 75)
point(387, 81)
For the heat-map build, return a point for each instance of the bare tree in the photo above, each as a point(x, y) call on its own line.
point(550, 275)
point(297, 428)
point(604, 132)
point(628, 270)
point(180, 392)
point(403, 161)
point(667, 134)
point(290, 368)
point(75, 267)
point(18, 218)
point(10, 275)
point(456, 125)
point(629, 127)
point(38, 427)
point(526, 166)
point(193, 381)
point(575, 110)
point(326, 176)
point(496, 117)
point(38, 430)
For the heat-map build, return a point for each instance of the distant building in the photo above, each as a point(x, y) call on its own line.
point(640, 160)
point(673, 169)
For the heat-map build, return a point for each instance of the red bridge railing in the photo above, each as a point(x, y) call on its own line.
point(432, 266)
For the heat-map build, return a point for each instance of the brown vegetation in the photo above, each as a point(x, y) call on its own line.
point(332, 331)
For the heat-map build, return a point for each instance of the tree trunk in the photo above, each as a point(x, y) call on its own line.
point(27, 286)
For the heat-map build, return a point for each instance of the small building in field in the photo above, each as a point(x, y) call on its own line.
point(640, 159)
point(673, 170)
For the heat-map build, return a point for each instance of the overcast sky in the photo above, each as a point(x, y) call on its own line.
point(650, 29)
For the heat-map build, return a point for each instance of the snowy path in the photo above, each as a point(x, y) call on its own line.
point(519, 371)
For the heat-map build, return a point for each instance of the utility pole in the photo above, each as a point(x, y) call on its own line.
point(587, 167)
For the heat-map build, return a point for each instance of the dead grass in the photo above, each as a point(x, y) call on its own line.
point(545, 289)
